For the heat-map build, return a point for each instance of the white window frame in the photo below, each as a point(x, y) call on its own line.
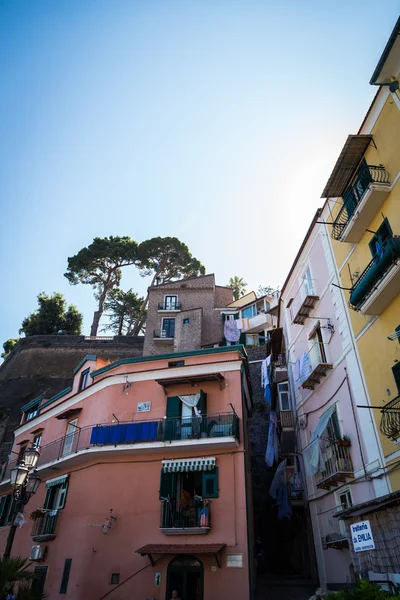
point(171, 296)
point(37, 435)
point(69, 437)
point(162, 324)
point(346, 490)
point(284, 392)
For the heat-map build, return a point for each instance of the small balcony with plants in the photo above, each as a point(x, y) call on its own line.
point(191, 515)
point(390, 422)
point(44, 525)
point(361, 202)
point(337, 464)
point(378, 285)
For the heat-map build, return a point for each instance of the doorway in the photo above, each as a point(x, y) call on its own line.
point(186, 576)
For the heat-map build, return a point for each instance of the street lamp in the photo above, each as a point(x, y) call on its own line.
point(25, 481)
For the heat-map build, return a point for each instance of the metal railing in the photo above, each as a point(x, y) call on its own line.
point(333, 531)
point(163, 333)
point(375, 271)
point(173, 515)
point(390, 423)
point(352, 197)
point(337, 461)
point(136, 432)
point(302, 300)
point(286, 418)
point(169, 306)
point(313, 363)
point(45, 525)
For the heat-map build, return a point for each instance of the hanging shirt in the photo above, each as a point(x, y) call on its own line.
point(231, 332)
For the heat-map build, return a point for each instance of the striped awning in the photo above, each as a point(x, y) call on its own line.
point(183, 465)
point(56, 481)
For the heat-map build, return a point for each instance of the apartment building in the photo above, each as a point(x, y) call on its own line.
point(183, 315)
point(145, 488)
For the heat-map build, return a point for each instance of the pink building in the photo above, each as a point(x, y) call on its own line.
point(144, 480)
point(336, 441)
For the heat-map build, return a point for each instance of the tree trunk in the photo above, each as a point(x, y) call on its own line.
point(121, 323)
point(99, 311)
point(140, 320)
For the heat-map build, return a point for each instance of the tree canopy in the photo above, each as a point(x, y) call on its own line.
point(99, 265)
point(164, 259)
point(52, 316)
point(238, 286)
point(8, 346)
point(123, 309)
point(265, 290)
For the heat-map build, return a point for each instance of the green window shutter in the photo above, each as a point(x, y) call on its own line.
point(167, 485)
point(65, 577)
point(174, 411)
point(210, 484)
point(47, 500)
point(9, 510)
point(62, 495)
point(398, 331)
point(396, 375)
point(2, 511)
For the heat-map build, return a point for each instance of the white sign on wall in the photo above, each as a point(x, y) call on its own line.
point(143, 407)
point(361, 535)
point(234, 561)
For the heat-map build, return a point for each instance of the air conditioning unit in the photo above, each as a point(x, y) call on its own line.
point(37, 552)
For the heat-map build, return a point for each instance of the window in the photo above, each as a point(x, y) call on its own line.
point(229, 317)
point(65, 577)
point(70, 437)
point(343, 501)
point(37, 586)
point(333, 429)
point(176, 363)
point(31, 413)
point(37, 439)
point(114, 578)
point(56, 495)
point(21, 452)
point(249, 311)
point(168, 328)
point(308, 283)
point(170, 302)
point(6, 510)
point(383, 233)
point(317, 352)
point(396, 375)
point(252, 340)
point(283, 393)
point(397, 330)
point(84, 382)
point(186, 321)
point(181, 421)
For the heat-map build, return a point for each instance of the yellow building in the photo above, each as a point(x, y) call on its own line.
point(363, 215)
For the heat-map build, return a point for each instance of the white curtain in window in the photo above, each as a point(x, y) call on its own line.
point(313, 457)
point(192, 401)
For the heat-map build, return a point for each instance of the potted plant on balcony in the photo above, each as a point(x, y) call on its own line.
point(344, 442)
point(37, 514)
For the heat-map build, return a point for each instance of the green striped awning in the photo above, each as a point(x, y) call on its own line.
point(56, 481)
point(182, 465)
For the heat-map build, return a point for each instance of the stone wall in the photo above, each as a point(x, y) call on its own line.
point(44, 364)
point(188, 334)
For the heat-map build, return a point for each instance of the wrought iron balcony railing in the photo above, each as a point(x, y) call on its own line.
point(44, 528)
point(366, 175)
point(215, 426)
point(170, 306)
point(184, 519)
point(375, 271)
point(390, 423)
point(338, 465)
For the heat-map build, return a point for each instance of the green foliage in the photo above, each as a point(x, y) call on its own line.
point(26, 593)
point(364, 590)
point(265, 290)
point(168, 258)
point(238, 286)
point(8, 346)
point(123, 309)
point(99, 265)
point(52, 316)
point(13, 570)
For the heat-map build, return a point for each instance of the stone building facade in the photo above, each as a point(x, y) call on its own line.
point(183, 315)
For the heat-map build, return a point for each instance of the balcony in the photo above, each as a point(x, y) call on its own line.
point(334, 530)
point(44, 528)
point(286, 419)
point(179, 520)
point(169, 307)
point(379, 283)
point(316, 366)
point(163, 335)
point(361, 201)
point(304, 302)
point(338, 465)
point(257, 324)
point(159, 435)
point(390, 423)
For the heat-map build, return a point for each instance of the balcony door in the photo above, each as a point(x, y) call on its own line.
point(308, 284)
point(170, 302)
point(317, 352)
point(69, 437)
point(168, 326)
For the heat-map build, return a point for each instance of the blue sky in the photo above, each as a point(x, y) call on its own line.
point(216, 121)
